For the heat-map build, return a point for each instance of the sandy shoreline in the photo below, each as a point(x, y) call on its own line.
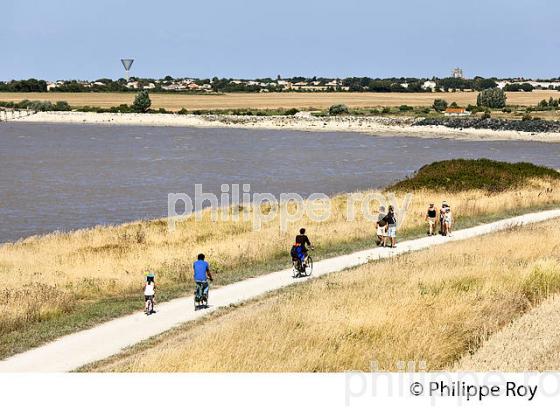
point(380, 126)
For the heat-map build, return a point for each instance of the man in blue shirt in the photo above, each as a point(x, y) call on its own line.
point(201, 275)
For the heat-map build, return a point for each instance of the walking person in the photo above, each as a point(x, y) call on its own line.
point(448, 221)
point(431, 219)
point(442, 213)
point(381, 227)
point(391, 221)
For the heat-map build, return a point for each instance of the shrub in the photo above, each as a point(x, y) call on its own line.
point(486, 115)
point(142, 102)
point(491, 98)
point(473, 108)
point(439, 104)
point(465, 174)
point(39, 106)
point(543, 104)
point(526, 117)
point(61, 106)
point(183, 111)
point(338, 109)
point(386, 110)
point(291, 111)
point(454, 105)
point(405, 108)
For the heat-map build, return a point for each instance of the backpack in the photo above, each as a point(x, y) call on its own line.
point(294, 252)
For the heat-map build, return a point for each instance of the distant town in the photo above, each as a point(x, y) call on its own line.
point(457, 81)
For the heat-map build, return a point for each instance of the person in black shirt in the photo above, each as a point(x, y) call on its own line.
point(431, 219)
point(391, 221)
point(303, 241)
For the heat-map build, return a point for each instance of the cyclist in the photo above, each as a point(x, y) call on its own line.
point(150, 291)
point(300, 246)
point(201, 275)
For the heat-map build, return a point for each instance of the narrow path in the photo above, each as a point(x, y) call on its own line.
point(78, 349)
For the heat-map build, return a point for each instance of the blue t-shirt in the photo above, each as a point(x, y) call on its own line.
point(200, 268)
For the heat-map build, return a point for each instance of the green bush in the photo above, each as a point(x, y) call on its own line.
point(491, 98)
point(291, 111)
point(464, 174)
point(486, 115)
point(405, 108)
point(183, 111)
point(61, 106)
point(338, 109)
point(473, 108)
point(386, 110)
point(439, 104)
point(142, 102)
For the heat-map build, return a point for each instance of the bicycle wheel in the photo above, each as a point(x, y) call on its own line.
point(309, 266)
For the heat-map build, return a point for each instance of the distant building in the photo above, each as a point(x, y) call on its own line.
point(457, 73)
point(429, 84)
point(456, 111)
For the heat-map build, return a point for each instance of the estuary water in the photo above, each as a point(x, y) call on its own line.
point(68, 176)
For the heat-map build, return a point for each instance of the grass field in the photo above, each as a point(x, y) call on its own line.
point(61, 282)
point(175, 102)
point(434, 306)
point(531, 342)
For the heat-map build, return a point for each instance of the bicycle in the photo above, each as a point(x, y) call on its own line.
point(302, 269)
point(201, 295)
point(149, 306)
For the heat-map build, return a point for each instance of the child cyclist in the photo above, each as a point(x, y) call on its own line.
point(149, 291)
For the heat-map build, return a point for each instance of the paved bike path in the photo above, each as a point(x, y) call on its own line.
point(75, 350)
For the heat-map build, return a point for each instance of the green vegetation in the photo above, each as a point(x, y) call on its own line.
point(491, 98)
point(519, 87)
point(406, 108)
point(439, 104)
point(37, 105)
point(25, 86)
point(338, 109)
point(142, 102)
point(463, 174)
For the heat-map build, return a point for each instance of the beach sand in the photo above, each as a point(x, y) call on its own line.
point(382, 126)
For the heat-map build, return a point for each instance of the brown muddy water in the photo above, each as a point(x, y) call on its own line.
point(64, 177)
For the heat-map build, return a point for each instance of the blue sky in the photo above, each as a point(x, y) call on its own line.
point(84, 39)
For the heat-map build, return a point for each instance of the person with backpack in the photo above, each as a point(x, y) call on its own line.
point(381, 227)
point(299, 249)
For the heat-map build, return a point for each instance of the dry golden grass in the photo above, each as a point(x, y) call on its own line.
point(431, 306)
point(175, 102)
point(530, 343)
point(50, 275)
